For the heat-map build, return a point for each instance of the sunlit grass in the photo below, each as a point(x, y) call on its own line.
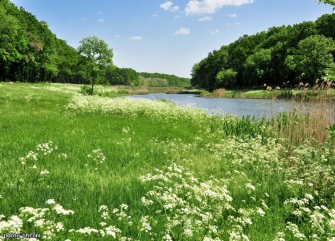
point(134, 169)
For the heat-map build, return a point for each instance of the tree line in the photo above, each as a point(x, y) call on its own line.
point(30, 52)
point(284, 55)
point(159, 79)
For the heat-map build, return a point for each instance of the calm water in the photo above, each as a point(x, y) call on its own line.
point(238, 107)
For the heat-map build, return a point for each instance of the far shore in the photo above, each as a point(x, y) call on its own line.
point(285, 93)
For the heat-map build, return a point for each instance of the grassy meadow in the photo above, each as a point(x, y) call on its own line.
point(77, 167)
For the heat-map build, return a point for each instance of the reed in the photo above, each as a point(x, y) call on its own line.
point(313, 124)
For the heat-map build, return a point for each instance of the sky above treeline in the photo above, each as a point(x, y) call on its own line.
point(167, 36)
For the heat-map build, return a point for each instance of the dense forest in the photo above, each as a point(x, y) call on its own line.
point(281, 56)
point(30, 52)
point(158, 79)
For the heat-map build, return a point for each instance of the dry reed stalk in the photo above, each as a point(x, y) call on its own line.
point(313, 126)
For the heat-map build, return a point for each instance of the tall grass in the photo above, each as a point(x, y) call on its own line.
point(94, 168)
point(298, 125)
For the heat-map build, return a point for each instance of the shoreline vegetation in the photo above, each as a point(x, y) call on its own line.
point(309, 94)
point(326, 92)
point(315, 93)
point(83, 167)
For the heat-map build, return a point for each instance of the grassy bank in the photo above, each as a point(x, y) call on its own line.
point(306, 94)
point(79, 167)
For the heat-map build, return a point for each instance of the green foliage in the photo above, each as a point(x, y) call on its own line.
point(331, 2)
point(98, 56)
point(85, 90)
point(279, 55)
point(9, 30)
point(162, 80)
point(122, 76)
point(226, 78)
point(258, 67)
point(30, 51)
point(312, 57)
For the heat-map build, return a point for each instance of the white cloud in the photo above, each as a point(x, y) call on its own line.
point(216, 31)
point(204, 19)
point(230, 24)
point(168, 6)
point(232, 15)
point(183, 31)
point(136, 38)
point(175, 9)
point(211, 6)
point(101, 20)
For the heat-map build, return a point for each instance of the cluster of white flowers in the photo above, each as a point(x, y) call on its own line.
point(30, 156)
point(63, 155)
point(319, 220)
point(44, 172)
point(14, 224)
point(104, 230)
point(46, 148)
point(128, 107)
point(97, 156)
point(188, 206)
point(43, 220)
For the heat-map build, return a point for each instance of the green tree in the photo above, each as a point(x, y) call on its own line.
point(258, 67)
point(312, 57)
point(325, 25)
point(226, 78)
point(98, 56)
point(9, 40)
point(331, 2)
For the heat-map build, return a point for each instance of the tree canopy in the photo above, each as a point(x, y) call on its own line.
point(331, 2)
point(290, 54)
point(97, 58)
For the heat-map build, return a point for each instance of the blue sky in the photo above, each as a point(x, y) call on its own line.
point(167, 36)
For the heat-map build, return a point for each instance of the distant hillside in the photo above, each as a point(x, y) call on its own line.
point(281, 56)
point(157, 79)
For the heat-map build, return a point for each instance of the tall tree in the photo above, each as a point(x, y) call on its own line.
point(98, 56)
point(312, 57)
point(258, 68)
point(9, 34)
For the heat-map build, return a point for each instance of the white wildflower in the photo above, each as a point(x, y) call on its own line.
point(44, 172)
point(250, 186)
point(59, 227)
point(51, 202)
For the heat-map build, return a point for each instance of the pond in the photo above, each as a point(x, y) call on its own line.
point(241, 107)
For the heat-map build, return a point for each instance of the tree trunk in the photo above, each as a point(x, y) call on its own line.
point(92, 87)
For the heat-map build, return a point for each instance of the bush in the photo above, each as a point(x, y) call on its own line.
point(85, 90)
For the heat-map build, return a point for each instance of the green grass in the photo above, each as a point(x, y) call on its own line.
point(207, 176)
point(296, 94)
